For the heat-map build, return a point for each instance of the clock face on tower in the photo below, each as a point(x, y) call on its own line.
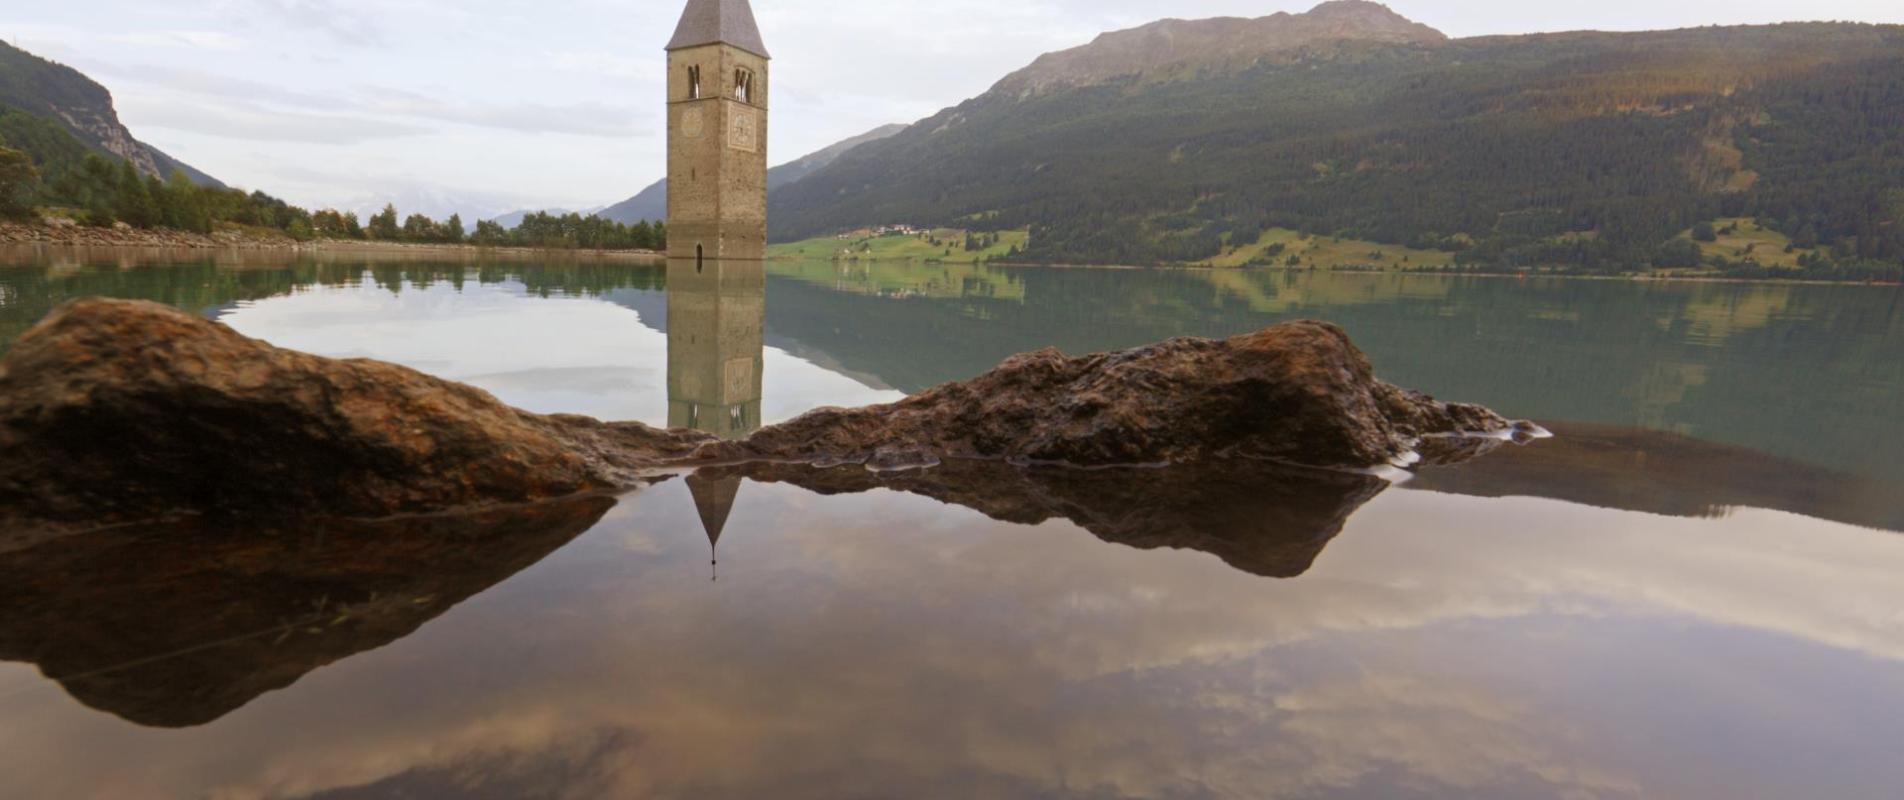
point(744, 133)
point(691, 123)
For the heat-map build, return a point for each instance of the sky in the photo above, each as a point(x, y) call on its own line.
point(485, 106)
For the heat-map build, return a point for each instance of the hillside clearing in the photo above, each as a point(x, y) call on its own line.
point(939, 245)
point(1277, 245)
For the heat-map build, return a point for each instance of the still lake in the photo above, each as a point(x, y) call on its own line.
point(1696, 590)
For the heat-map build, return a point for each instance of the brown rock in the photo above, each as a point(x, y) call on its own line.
point(115, 410)
point(1298, 392)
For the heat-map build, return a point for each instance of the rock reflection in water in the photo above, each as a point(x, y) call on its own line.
point(1634, 469)
point(883, 645)
point(178, 625)
point(1262, 518)
point(1273, 521)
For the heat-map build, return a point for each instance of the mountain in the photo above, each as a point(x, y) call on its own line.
point(813, 162)
point(435, 202)
point(652, 202)
point(514, 218)
point(42, 89)
point(649, 204)
point(1174, 141)
point(1175, 47)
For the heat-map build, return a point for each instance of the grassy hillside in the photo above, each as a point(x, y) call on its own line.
point(1591, 150)
point(940, 245)
point(1281, 247)
point(1744, 239)
point(1274, 248)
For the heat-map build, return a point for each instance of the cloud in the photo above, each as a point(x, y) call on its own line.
point(578, 119)
point(607, 64)
point(575, 119)
point(237, 120)
point(171, 78)
point(338, 21)
point(195, 40)
point(355, 115)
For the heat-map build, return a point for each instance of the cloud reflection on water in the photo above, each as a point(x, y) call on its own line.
point(1443, 645)
point(551, 355)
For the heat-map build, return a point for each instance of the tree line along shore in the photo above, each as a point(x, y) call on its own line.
point(65, 233)
point(97, 200)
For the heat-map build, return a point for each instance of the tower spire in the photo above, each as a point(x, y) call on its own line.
point(729, 22)
point(714, 501)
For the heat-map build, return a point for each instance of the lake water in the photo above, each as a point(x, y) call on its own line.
point(1693, 591)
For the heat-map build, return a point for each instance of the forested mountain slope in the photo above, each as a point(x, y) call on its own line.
point(1587, 149)
point(47, 92)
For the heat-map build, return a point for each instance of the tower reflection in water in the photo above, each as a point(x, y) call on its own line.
point(716, 309)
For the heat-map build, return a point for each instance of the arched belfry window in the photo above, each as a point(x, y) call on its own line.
point(694, 83)
point(744, 85)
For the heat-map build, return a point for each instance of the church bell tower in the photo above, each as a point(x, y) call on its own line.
point(717, 134)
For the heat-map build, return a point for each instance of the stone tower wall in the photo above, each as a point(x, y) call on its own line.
point(717, 314)
point(717, 156)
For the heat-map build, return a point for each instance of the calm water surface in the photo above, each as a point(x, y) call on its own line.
point(1692, 592)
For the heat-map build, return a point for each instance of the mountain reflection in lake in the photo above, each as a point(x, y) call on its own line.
point(1623, 611)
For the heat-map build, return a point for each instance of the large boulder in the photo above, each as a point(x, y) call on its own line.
point(114, 410)
point(1298, 392)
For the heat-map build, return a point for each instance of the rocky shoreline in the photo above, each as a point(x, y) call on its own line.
point(66, 232)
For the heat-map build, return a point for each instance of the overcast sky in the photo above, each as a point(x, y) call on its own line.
point(486, 105)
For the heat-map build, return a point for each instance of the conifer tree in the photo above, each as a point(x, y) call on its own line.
point(18, 182)
point(188, 212)
point(383, 225)
point(419, 228)
point(132, 201)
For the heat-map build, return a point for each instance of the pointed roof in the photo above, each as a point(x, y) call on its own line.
point(714, 499)
point(728, 22)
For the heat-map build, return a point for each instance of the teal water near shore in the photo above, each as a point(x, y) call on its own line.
point(1812, 372)
point(1690, 593)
